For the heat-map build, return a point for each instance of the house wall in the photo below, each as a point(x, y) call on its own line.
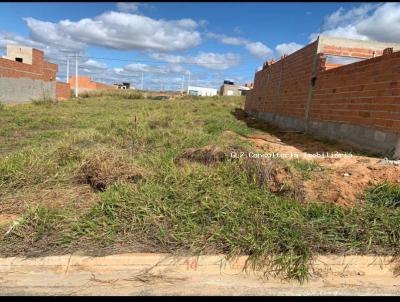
point(358, 103)
point(86, 84)
point(21, 82)
point(63, 91)
point(281, 89)
point(225, 88)
point(16, 51)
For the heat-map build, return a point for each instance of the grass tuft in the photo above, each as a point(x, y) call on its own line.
point(385, 194)
point(102, 167)
point(305, 167)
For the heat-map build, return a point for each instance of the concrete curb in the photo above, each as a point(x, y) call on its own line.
point(164, 274)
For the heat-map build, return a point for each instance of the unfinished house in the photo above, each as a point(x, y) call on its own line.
point(26, 75)
point(342, 89)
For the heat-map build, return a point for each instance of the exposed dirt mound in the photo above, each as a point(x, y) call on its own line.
point(343, 180)
point(275, 174)
point(207, 155)
point(104, 167)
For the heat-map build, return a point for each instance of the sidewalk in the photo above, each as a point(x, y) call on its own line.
point(161, 274)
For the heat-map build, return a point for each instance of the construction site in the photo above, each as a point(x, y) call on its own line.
point(158, 182)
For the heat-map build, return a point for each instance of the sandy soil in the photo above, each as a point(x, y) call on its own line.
point(345, 176)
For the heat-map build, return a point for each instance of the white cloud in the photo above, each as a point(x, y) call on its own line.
point(118, 30)
point(50, 34)
point(287, 48)
point(217, 61)
point(209, 60)
point(226, 39)
point(259, 50)
point(127, 6)
point(383, 25)
point(379, 22)
point(95, 64)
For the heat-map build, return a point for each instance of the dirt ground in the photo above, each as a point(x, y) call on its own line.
point(346, 174)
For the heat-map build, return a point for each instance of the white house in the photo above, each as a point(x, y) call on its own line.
point(202, 91)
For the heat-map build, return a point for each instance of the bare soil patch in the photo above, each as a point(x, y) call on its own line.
point(344, 179)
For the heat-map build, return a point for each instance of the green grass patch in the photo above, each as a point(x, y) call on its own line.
point(305, 167)
point(190, 208)
point(385, 194)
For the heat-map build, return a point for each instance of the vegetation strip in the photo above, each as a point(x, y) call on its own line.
point(145, 192)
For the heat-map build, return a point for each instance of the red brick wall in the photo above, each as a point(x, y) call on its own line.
point(87, 83)
point(39, 70)
point(350, 52)
point(63, 91)
point(283, 87)
point(365, 93)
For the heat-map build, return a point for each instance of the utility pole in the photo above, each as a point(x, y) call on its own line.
point(76, 75)
point(188, 83)
point(183, 80)
point(142, 80)
point(67, 70)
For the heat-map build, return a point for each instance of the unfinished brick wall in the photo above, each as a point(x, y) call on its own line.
point(63, 91)
point(21, 82)
point(282, 88)
point(355, 52)
point(39, 70)
point(85, 83)
point(358, 103)
point(364, 93)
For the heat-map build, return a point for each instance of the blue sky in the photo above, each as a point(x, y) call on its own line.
point(166, 41)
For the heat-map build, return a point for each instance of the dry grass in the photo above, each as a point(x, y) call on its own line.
point(103, 167)
point(120, 93)
point(275, 174)
point(206, 155)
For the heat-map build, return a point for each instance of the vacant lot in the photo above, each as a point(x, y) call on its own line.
point(106, 175)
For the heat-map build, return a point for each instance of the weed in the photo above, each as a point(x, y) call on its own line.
point(305, 167)
point(46, 99)
point(385, 194)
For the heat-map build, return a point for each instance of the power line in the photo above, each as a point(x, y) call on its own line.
point(149, 61)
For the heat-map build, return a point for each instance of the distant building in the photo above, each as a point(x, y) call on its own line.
point(124, 85)
point(86, 84)
point(26, 75)
point(202, 91)
point(229, 88)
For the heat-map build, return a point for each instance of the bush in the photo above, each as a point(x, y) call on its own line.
point(2, 106)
